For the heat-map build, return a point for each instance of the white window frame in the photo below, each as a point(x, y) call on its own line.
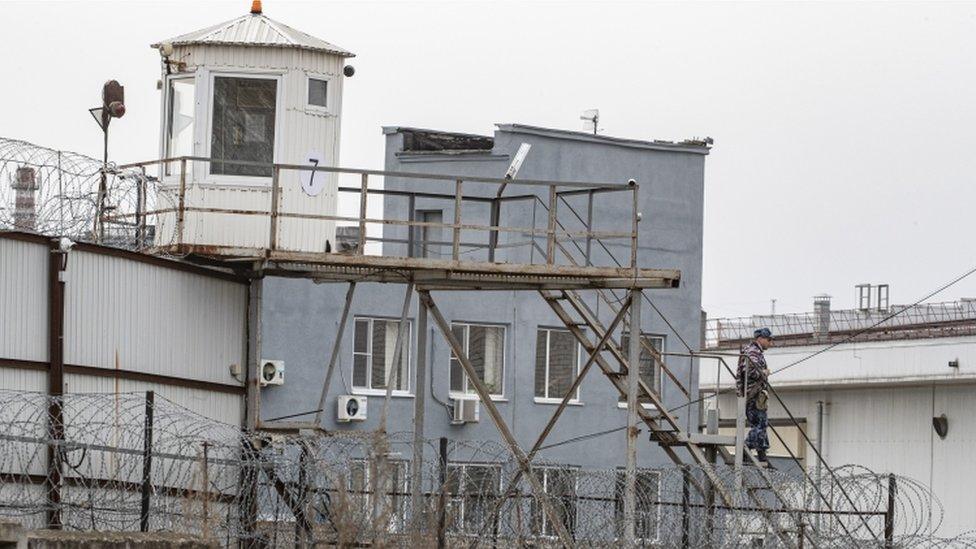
point(242, 180)
point(405, 352)
point(165, 127)
point(576, 401)
point(464, 380)
point(657, 520)
point(329, 93)
point(396, 523)
point(545, 488)
point(660, 373)
point(458, 500)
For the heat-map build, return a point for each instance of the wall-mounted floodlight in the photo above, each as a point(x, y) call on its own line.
point(349, 70)
point(166, 49)
point(516, 164)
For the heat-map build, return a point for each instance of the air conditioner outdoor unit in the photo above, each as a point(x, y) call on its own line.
point(351, 408)
point(466, 410)
point(272, 372)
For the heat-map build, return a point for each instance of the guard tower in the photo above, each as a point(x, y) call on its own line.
point(245, 94)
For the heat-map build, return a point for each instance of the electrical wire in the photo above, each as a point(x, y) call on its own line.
point(582, 438)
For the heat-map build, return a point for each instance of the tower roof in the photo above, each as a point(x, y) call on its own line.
point(255, 29)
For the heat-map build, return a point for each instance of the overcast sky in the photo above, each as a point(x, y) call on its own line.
point(843, 132)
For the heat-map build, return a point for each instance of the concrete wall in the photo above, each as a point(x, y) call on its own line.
point(889, 430)
point(300, 317)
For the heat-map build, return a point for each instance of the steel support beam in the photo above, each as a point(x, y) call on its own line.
point(419, 403)
point(633, 382)
point(336, 346)
point(485, 396)
point(562, 406)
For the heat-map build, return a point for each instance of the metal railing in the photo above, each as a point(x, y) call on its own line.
point(152, 198)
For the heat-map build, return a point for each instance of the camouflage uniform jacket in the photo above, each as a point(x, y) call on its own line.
point(752, 366)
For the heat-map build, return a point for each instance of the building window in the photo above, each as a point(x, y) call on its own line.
point(485, 347)
point(431, 238)
point(556, 364)
point(180, 109)
point(648, 492)
point(650, 368)
point(473, 489)
point(243, 125)
point(318, 92)
point(560, 485)
point(372, 359)
point(393, 485)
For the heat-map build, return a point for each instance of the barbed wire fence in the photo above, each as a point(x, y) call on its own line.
point(57, 193)
point(133, 461)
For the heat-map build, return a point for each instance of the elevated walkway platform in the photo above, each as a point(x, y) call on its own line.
point(432, 274)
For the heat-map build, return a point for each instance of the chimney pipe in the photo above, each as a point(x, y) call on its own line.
point(24, 185)
point(821, 311)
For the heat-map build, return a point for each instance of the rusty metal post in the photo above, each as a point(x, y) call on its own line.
point(589, 227)
point(147, 443)
point(206, 491)
point(493, 221)
point(363, 194)
point(275, 201)
point(456, 239)
point(551, 227)
point(442, 505)
point(56, 265)
point(889, 518)
point(685, 507)
point(633, 383)
point(411, 228)
point(635, 220)
point(419, 404)
point(181, 207)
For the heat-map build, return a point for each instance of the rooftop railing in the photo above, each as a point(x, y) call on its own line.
point(801, 328)
point(168, 213)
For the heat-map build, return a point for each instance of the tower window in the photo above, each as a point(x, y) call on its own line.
point(243, 125)
point(318, 92)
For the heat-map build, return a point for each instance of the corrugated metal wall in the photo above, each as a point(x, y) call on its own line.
point(136, 316)
point(23, 300)
point(122, 312)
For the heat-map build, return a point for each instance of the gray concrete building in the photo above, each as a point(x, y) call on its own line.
point(525, 352)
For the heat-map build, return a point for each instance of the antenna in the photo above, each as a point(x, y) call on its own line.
point(591, 118)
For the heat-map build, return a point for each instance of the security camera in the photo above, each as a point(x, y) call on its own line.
point(631, 182)
point(349, 70)
point(65, 244)
point(166, 49)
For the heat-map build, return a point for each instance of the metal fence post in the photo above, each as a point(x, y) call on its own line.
point(551, 227)
point(181, 208)
point(147, 441)
point(275, 199)
point(456, 240)
point(442, 506)
point(633, 381)
point(889, 528)
point(685, 507)
point(363, 193)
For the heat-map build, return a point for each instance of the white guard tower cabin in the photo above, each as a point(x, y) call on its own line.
point(254, 90)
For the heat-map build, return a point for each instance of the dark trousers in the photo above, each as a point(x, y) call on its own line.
point(757, 439)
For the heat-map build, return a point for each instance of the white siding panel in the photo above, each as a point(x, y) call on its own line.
point(23, 300)
point(136, 316)
point(223, 407)
point(18, 379)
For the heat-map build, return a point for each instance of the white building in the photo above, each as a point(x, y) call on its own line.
point(876, 397)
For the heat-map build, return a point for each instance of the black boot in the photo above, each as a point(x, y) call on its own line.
point(761, 455)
